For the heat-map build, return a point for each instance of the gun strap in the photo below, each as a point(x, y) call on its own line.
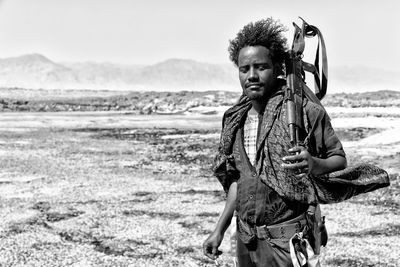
point(320, 77)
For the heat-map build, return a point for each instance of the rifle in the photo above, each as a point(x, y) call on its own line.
point(295, 69)
point(296, 90)
point(336, 186)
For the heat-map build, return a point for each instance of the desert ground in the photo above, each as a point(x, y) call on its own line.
point(118, 189)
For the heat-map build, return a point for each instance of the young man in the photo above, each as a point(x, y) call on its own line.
point(268, 182)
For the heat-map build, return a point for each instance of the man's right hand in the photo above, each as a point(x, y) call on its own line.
point(210, 246)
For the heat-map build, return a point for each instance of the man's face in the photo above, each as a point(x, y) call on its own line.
point(257, 73)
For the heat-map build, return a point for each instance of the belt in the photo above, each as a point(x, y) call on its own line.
point(280, 231)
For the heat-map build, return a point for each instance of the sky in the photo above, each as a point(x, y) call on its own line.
point(357, 32)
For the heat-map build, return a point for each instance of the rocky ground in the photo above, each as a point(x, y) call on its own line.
point(116, 189)
point(146, 197)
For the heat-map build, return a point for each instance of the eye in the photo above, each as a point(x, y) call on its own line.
point(243, 69)
point(263, 67)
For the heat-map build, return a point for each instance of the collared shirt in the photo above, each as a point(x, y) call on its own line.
point(250, 136)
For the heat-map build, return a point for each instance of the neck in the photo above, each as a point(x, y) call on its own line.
point(258, 106)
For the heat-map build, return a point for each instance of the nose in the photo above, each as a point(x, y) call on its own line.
point(253, 75)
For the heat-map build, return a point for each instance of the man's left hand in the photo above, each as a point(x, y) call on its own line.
point(300, 161)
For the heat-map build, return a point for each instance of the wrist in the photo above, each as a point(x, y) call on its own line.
point(218, 231)
point(315, 169)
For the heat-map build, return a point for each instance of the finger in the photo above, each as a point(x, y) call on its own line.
point(214, 252)
point(296, 149)
point(301, 175)
point(295, 166)
point(209, 255)
point(301, 172)
point(207, 251)
point(293, 158)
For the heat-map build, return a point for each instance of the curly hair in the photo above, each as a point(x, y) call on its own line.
point(267, 33)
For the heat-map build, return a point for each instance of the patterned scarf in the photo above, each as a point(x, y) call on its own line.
point(330, 188)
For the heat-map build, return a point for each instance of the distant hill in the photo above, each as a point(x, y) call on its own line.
point(362, 79)
point(38, 72)
point(35, 71)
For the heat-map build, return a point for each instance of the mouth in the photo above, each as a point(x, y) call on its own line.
point(253, 86)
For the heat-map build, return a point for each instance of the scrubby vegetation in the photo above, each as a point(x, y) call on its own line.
point(152, 102)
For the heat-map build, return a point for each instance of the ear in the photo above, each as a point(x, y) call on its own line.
point(278, 69)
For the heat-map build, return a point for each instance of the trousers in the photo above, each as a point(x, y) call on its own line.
point(262, 253)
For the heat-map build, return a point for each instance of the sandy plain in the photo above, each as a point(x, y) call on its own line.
point(116, 189)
